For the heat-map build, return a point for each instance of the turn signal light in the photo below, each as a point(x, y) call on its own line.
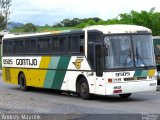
point(110, 80)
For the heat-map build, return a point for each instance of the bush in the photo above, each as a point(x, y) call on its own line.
point(82, 25)
point(91, 22)
point(100, 22)
point(29, 27)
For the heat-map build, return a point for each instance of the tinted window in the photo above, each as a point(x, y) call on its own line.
point(62, 44)
point(30, 46)
point(33, 46)
point(21, 46)
point(18, 46)
point(44, 45)
point(82, 43)
point(74, 44)
point(55, 45)
point(93, 37)
point(8, 47)
point(27, 46)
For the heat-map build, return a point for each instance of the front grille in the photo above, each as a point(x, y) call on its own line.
point(135, 78)
point(129, 79)
point(141, 78)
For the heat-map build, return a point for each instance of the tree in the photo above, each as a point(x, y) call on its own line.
point(91, 22)
point(96, 19)
point(125, 18)
point(58, 25)
point(66, 23)
point(82, 25)
point(2, 24)
point(112, 21)
point(156, 23)
point(29, 27)
point(5, 11)
point(101, 22)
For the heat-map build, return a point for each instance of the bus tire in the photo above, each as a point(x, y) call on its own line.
point(84, 89)
point(125, 95)
point(158, 82)
point(22, 82)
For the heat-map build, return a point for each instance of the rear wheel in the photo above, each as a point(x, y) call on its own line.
point(84, 89)
point(22, 82)
point(125, 95)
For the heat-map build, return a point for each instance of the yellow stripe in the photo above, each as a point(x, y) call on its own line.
point(45, 62)
point(34, 77)
point(151, 72)
point(42, 73)
point(55, 32)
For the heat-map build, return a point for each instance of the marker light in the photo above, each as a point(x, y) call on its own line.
point(110, 80)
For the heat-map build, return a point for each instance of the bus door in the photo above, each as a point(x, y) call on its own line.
point(98, 65)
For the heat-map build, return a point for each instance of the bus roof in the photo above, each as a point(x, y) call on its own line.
point(105, 29)
point(113, 29)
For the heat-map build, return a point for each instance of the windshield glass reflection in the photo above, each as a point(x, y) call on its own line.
point(123, 51)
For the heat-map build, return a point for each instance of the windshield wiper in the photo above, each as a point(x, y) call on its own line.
point(128, 56)
point(138, 57)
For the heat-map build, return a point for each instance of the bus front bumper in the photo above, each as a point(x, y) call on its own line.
point(131, 87)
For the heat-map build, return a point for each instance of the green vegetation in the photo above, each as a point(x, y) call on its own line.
point(4, 13)
point(46, 29)
point(149, 19)
point(43, 29)
point(2, 24)
point(29, 27)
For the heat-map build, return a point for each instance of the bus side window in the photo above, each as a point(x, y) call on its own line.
point(81, 43)
point(21, 46)
point(27, 46)
point(55, 45)
point(62, 44)
point(5, 44)
point(44, 45)
point(92, 39)
point(33, 46)
point(8, 48)
point(16, 46)
point(74, 44)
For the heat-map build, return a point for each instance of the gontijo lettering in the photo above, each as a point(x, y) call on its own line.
point(31, 62)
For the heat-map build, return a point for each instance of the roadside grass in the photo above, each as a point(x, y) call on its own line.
point(17, 30)
point(50, 29)
point(44, 29)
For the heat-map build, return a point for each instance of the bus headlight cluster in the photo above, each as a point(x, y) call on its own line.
point(154, 77)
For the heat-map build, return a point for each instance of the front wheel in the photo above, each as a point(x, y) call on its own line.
point(84, 89)
point(125, 95)
point(22, 82)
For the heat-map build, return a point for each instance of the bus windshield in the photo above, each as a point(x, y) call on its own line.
point(125, 51)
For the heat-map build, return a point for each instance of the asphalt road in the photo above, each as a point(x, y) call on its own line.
point(64, 106)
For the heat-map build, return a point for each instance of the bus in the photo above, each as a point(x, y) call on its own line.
point(156, 42)
point(96, 60)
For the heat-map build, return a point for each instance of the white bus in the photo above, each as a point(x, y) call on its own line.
point(156, 42)
point(102, 60)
